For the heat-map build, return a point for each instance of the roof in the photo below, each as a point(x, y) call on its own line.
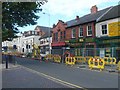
point(46, 35)
point(43, 28)
point(87, 18)
point(113, 13)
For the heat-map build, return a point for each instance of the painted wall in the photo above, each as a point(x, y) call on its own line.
point(110, 27)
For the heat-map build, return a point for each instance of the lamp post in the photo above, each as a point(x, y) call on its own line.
point(48, 31)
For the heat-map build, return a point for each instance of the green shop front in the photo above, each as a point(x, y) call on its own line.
point(109, 47)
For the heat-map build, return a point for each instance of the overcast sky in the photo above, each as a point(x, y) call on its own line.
point(67, 10)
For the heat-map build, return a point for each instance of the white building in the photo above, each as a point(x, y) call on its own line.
point(45, 45)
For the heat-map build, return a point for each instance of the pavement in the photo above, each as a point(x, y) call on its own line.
point(17, 76)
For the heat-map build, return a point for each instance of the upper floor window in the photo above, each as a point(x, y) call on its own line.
point(64, 34)
point(89, 30)
point(55, 36)
point(104, 29)
point(81, 31)
point(61, 37)
point(73, 33)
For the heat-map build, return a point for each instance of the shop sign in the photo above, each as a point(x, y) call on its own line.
point(114, 29)
point(112, 41)
point(81, 40)
point(67, 41)
point(89, 39)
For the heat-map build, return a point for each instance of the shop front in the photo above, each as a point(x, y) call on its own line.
point(109, 46)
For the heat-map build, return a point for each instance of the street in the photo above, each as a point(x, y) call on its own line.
point(66, 74)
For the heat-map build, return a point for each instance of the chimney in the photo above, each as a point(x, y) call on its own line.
point(77, 17)
point(54, 25)
point(94, 9)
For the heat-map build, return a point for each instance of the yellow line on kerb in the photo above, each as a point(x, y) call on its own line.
point(54, 79)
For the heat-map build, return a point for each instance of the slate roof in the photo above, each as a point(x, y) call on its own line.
point(87, 18)
point(113, 13)
point(43, 28)
point(46, 35)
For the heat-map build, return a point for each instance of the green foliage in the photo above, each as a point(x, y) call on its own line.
point(18, 14)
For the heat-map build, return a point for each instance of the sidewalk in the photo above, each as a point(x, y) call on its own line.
point(18, 77)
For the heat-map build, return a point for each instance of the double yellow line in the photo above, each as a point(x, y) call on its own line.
point(69, 85)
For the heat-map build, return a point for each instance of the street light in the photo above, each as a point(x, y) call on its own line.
point(48, 31)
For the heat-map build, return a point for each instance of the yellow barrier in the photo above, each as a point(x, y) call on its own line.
point(70, 60)
point(49, 56)
point(96, 63)
point(57, 58)
point(118, 66)
point(109, 60)
point(80, 59)
point(87, 58)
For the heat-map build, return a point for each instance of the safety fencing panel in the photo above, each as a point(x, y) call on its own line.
point(49, 57)
point(70, 60)
point(80, 59)
point(98, 63)
point(118, 66)
point(109, 60)
point(87, 58)
point(57, 58)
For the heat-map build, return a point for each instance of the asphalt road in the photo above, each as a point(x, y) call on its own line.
point(79, 77)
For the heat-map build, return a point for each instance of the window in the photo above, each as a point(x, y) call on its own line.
point(73, 33)
point(56, 36)
point(64, 34)
point(104, 29)
point(81, 31)
point(89, 30)
point(61, 36)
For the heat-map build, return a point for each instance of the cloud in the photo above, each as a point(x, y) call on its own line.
point(70, 7)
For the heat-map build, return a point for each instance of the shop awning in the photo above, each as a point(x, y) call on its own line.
point(58, 44)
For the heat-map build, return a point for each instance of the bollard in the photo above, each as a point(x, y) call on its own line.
point(6, 61)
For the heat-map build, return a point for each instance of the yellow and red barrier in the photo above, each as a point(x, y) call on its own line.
point(109, 60)
point(98, 63)
point(57, 58)
point(70, 60)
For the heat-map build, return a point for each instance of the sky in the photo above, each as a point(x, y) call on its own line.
point(66, 10)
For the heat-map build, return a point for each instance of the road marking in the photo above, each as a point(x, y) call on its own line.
point(55, 79)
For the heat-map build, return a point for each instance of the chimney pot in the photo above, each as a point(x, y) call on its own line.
point(94, 9)
point(77, 17)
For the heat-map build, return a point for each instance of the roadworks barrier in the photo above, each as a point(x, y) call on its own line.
point(87, 58)
point(109, 60)
point(118, 66)
point(57, 58)
point(97, 63)
point(70, 60)
point(49, 57)
point(80, 59)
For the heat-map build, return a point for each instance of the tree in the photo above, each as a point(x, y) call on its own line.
point(18, 14)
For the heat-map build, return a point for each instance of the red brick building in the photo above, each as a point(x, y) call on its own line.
point(81, 33)
point(78, 35)
point(58, 38)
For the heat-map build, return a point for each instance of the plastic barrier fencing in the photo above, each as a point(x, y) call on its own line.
point(98, 63)
point(49, 57)
point(87, 58)
point(109, 60)
point(80, 59)
point(57, 58)
point(118, 66)
point(70, 60)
